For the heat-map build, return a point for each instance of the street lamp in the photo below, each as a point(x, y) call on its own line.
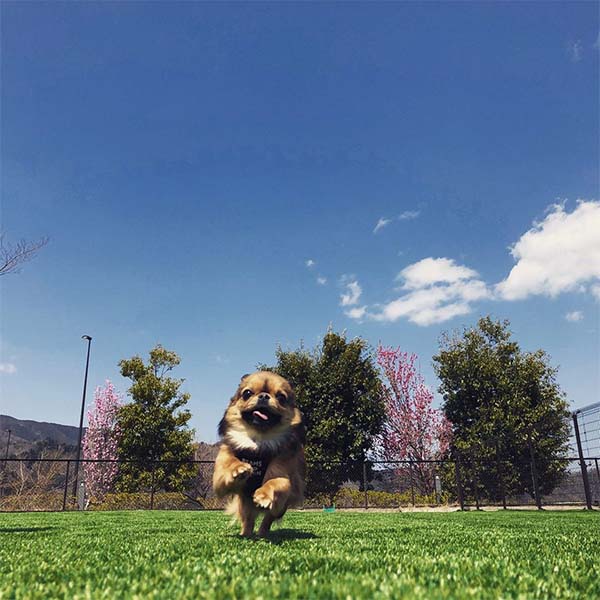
point(87, 364)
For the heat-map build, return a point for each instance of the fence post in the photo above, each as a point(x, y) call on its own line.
point(437, 485)
point(66, 490)
point(598, 478)
point(459, 489)
point(584, 474)
point(534, 476)
point(365, 484)
point(152, 487)
point(412, 484)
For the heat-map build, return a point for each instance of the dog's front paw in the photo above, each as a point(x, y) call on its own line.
point(241, 472)
point(263, 498)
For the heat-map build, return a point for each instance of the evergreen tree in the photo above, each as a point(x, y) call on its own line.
point(154, 425)
point(339, 393)
point(505, 406)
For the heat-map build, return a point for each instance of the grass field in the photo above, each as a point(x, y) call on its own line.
point(312, 555)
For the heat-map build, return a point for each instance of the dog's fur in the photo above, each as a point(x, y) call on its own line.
point(261, 458)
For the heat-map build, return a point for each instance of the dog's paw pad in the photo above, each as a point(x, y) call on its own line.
point(263, 500)
point(241, 472)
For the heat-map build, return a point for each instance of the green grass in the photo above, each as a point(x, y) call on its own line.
point(312, 555)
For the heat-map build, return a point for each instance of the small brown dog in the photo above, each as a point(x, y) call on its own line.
point(261, 458)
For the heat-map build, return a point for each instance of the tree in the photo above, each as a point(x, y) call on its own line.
point(101, 441)
point(154, 426)
point(339, 393)
point(12, 256)
point(413, 429)
point(506, 407)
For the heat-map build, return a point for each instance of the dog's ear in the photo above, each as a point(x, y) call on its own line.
point(222, 430)
point(239, 389)
point(299, 426)
point(235, 396)
point(292, 395)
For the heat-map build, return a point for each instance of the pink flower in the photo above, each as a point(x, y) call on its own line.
point(101, 441)
point(413, 430)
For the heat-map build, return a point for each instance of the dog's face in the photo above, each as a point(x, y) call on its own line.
point(263, 405)
point(264, 400)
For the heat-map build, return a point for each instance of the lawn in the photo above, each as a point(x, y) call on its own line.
point(160, 554)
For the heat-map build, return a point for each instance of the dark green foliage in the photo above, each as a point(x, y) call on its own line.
point(339, 392)
point(154, 426)
point(504, 404)
point(317, 556)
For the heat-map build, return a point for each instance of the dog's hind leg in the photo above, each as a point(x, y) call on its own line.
point(247, 513)
point(265, 526)
point(273, 496)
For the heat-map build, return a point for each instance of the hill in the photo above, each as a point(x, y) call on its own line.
point(30, 437)
point(26, 434)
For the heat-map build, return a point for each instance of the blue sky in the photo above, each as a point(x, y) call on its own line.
point(187, 160)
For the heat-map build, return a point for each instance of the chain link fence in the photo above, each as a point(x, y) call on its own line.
point(58, 485)
point(468, 480)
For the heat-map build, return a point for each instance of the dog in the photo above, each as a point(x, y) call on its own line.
point(261, 458)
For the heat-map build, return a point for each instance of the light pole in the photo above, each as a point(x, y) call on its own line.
point(87, 364)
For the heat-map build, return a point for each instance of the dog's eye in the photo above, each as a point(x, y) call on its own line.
point(281, 397)
point(247, 394)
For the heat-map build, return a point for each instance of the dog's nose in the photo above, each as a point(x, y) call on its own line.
point(263, 400)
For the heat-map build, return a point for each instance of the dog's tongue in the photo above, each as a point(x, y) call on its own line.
point(257, 413)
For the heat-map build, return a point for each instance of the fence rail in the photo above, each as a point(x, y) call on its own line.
point(59, 484)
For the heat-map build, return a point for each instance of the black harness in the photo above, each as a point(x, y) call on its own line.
point(259, 462)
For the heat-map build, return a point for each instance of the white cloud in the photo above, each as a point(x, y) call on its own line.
point(322, 280)
point(8, 368)
point(381, 224)
point(434, 304)
point(352, 295)
point(434, 270)
point(357, 312)
point(407, 215)
point(310, 263)
point(574, 316)
point(559, 254)
point(436, 290)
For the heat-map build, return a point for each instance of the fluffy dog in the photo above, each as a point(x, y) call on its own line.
point(261, 458)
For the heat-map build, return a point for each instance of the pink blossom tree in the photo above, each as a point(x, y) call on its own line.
point(101, 441)
point(413, 429)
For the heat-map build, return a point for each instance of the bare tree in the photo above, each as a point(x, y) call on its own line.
point(12, 256)
point(34, 484)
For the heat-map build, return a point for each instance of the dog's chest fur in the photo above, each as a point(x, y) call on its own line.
point(259, 453)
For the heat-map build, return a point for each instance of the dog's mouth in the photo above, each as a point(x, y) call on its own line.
point(261, 417)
